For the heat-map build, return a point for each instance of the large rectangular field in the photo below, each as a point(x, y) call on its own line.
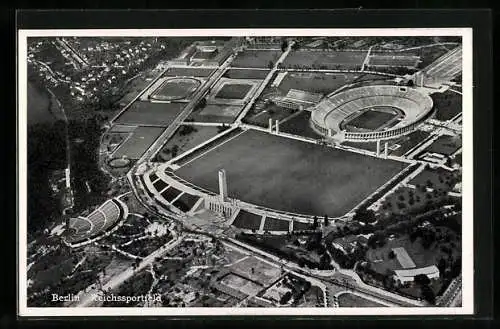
point(246, 74)
point(256, 58)
point(392, 60)
point(233, 91)
point(325, 59)
point(136, 145)
point(445, 144)
point(216, 113)
point(290, 175)
point(148, 113)
point(322, 83)
point(188, 72)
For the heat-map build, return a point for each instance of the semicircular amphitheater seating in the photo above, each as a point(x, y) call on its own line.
point(330, 113)
point(97, 222)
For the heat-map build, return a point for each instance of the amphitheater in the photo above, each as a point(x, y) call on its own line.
point(332, 115)
point(83, 230)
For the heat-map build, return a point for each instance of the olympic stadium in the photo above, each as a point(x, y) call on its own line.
point(371, 113)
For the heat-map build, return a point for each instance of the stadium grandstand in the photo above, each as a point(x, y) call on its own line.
point(297, 99)
point(87, 229)
point(332, 115)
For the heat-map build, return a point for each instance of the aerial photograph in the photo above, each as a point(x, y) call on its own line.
point(244, 172)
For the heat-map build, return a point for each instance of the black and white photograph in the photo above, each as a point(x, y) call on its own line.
point(246, 172)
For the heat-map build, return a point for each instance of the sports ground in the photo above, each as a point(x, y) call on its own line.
point(326, 59)
point(256, 58)
point(177, 88)
point(290, 175)
point(138, 142)
point(371, 119)
point(148, 113)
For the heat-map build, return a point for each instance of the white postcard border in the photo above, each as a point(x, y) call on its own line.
point(467, 176)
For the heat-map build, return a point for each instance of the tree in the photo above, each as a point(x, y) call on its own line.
point(315, 223)
point(284, 45)
point(270, 64)
point(428, 294)
point(422, 279)
point(392, 255)
point(326, 220)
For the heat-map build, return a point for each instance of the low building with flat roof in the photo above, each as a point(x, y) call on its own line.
point(408, 275)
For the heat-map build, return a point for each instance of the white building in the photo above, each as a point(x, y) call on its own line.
point(407, 276)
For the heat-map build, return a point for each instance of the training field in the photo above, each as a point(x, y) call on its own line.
point(188, 72)
point(371, 119)
point(233, 91)
point(176, 89)
point(216, 113)
point(446, 145)
point(290, 175)
point(351, 300)
point(322, 83)
point(325, 59)
point(390, 60)
point(256, 58)
point(147, 113)
point(136, 145)
point(246, 74)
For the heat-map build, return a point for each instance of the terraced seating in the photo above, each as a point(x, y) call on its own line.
point(97, 222)
point(332, 112)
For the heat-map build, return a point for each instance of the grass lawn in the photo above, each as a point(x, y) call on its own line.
point(393, 60)
point(147, 113)
point(326, 59)
point(351, 300)
point(322, 83)
point(256, 58)
point(233, 91)
point(275, 224)
point(371, 119)
point(137, 144)
point(291, 175)
point(247, 220)
point(176, 89)
point(271, 111)
point(409, 141)
point(447, 105)
point(436, 177)
point(299, 125)
point(216, 113)
point(186, 142)
point(446, 145)
point(246, 74)
point(188, 72)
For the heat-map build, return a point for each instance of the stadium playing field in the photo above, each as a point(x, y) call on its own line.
point(138, 143)
point(290, 175)
point(371, 119)
point(148, 113)
point(325, 59)
point(233, 91)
